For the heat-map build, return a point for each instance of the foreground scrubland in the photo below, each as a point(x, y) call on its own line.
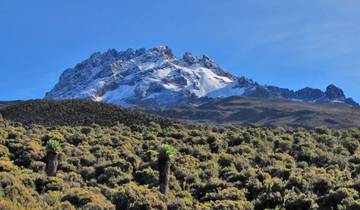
point(108, 165)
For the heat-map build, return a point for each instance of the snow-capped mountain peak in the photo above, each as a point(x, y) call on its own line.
point(144, 75)
point(155, 76)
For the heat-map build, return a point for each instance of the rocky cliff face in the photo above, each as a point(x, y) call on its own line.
point(156, 77)
point(334, 93)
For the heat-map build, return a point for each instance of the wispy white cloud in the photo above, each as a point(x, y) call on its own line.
point(319, 31)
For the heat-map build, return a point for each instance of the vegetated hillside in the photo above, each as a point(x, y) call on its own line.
point(3, 104)
point(110, 166)
point(75, 113)
point(266, 112)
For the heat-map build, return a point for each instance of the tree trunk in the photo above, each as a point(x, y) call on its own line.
point(164, 173)
point(2, 121)
point(51, 163)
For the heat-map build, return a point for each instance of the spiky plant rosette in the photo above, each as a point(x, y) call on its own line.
point(167, 149)
point(53, 145)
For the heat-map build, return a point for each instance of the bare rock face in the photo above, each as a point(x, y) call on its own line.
point(309, 93)
point(189, 58)
point(334, 93)
point(141, 77)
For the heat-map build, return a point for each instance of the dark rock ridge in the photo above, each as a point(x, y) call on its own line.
point(156, 77)
point(334, 93)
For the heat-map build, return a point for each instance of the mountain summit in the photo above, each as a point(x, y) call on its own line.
point(156, 77)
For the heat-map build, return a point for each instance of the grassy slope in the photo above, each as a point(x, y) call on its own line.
point(264, 112)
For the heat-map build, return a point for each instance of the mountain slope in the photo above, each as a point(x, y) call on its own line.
point(266, 112)
point(231, 110)
point(7, 103)
point(156, 77)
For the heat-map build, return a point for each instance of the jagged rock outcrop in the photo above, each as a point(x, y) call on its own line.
point(334, 93)
point(309, 94)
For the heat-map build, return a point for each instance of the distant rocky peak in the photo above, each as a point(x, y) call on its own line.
point(309, 93)
point(111, 53)
point(333, 92)
point(152, 54)
point(189, 58)
point(208, 63)
point(163, 50)
point(167, 52)
point(244, 81)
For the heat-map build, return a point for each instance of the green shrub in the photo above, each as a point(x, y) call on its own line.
point(87, 199)
point(134, 197)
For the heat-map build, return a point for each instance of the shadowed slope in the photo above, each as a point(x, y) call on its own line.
point(266, 112)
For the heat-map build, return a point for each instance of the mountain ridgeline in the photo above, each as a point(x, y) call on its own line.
point(155, 77)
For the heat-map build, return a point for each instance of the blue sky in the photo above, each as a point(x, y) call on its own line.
point(286, 43)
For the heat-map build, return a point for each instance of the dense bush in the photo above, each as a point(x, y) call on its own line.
point(109, 166)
